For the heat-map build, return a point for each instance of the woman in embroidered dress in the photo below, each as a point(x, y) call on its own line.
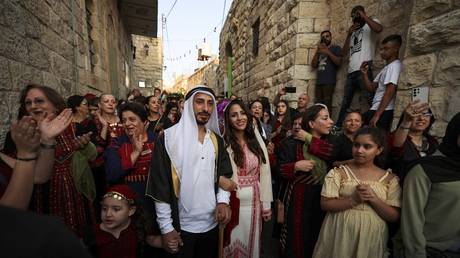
point(359, 199)
point(128, 157)
point(59, 195)
point(251, 171)
point(302, 161)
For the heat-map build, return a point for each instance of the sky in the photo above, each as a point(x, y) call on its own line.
point(188, 23)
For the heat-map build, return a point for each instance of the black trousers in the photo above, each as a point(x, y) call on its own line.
point(198, 245)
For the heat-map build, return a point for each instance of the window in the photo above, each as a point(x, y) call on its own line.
point(141, 84)
point(255, 37)
point(89, 30)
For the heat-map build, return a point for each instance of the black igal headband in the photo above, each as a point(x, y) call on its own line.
point(200, 88)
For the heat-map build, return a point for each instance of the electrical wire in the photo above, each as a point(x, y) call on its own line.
point(170, 10)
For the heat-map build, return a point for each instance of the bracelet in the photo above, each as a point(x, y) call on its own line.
point(404, 128)
point(27, 159)
point(47, 146)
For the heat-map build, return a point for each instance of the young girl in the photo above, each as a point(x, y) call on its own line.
point(359, 199)
point(118, 235)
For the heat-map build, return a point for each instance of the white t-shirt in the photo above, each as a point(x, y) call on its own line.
point(362, 47)
point(389, 74)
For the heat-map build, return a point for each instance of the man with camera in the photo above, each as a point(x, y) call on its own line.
point(360, 44)
point(326, 60)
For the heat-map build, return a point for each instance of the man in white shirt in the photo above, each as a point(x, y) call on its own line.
point(384, 85)
point(186, 164)
point(360, 44)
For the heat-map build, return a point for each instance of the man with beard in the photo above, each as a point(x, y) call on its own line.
point(326, 60)
point(186, 164)
point(360, 44)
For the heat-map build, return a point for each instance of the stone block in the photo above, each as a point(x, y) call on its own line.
point(61, 67)
point(5, 77)
point(12, 16)
point(313, 10)
point(305, 25)
point(279, 65)
point(321, 24)
point(38, 55)
point(394, 13)
point(301, 56)
point(12, 45)
point(32, 26)
point(39, 9)
point(301, 72)
point(447, 72)
point(428, 35)
point(309, 40)
point(437, 99)
point(425, 9)
point(416, 71)
point(22, 74)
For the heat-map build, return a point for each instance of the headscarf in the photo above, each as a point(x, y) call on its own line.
point(181, 144)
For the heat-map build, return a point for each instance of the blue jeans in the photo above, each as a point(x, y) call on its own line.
point(354, 81)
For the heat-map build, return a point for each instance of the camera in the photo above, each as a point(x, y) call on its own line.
point(323, 40)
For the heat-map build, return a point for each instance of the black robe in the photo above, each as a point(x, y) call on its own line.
point(303, 214)
point(160, 182)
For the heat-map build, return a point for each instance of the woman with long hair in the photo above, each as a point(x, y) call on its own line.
point(68, 191)
point(251, 170)
point(257, 112)
point(153, 107)
point(302, 164)
point(282, 123)
point(359, 198)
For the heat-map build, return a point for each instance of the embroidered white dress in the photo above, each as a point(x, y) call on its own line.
point(245, 237)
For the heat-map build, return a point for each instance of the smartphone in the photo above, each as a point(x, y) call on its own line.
point(290, 89)
point(420, 93)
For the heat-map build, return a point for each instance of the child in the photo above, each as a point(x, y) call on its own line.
point(359, 199)
point(118, 234)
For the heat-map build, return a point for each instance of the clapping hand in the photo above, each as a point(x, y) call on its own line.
point(137, 142)
point(51, 126)
point(26, 135)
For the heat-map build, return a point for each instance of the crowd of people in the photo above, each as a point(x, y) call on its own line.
point(199, 175)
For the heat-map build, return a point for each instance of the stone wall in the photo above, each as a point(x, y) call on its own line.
point(148, 67)
point(47, 42)
point(289, 33)
point(206, 75)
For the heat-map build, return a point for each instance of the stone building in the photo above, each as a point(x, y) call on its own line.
point(266, 43)
point(206, 75)
point(73, 46)
point(148, 64)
